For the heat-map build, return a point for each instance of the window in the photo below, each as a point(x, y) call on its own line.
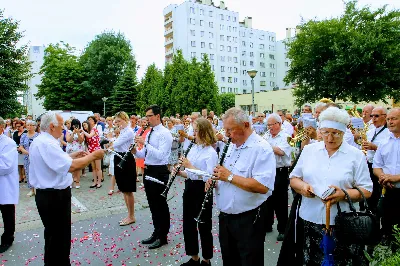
point(245, 82)
point(229, 49)
point(273, 39)
point(251, 35)
point(234, 19)
point(228, 38)
point(286, 64)
point(223, 89)
point(222, 69)
point(202, 55)
point(193, 54)
point(211, 46)
point(201, 12)
point(251, 54)
point(192, 21)
point(235, 69)
point(229, 28)
point(223, 79)
point(213, 67)
point(251, 45)
point(272, 66)
point(262, 64)
point(229, 79)
point(272, 74)
point(211, 35)
point(221, 16)
point(261, 46)
point(262, 83)
point(243, 63)
point(244, 72)
point(228, 18)
point(210, 13)
point(201, 22)
point(202, 33)
point(211, 24)
point(243, 43)
point(235, 39)
point(235, 80)
point(262, 74)
point(230, 69)
point(229, 58)
point(234, 29)
point(222, 38)
point(203, 45)
point(192, 10)
point(222, 58)
point(230, 89)
point(272, 48)
point(193, 44)
point(272, 84)
point(271, 56)
point(262, 55)
point(193, 32)
point(243, 34)
point(235, 59)
point(251, 63)
point(262, 37)
point(235, 49)
point(211, 56)
point(221, 48)
point(243, 53)
point(221, 27)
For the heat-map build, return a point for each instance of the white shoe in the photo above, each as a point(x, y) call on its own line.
point(77, 187)
point(31, 193)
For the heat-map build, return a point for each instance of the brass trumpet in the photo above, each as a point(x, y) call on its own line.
point(362, 132)
point(301, 136)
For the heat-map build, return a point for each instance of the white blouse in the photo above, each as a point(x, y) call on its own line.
point(346, 168)
point(204, 158)
point(124, 140)
point(387, 156)
point(9, 186)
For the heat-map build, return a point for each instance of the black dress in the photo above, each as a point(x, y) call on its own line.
point(125, 176)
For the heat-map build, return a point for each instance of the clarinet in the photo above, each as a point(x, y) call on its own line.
point(209, 192)
point(131, 147)
point(171, 180)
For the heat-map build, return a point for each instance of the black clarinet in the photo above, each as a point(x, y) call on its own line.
point(131, 147)
point(209, 192)
point(171, 180)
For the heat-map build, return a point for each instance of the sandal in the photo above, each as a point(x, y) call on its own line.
point(125, 223)
point(110, 192)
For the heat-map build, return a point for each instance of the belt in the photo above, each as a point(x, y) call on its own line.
point(154, 166)
point(239, 214)
point(52, 189)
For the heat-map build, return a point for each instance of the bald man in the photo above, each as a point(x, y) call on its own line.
point(366, 115)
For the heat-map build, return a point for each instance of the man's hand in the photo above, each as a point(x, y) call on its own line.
point(139, 140)
point(98, 155)
point(387, 180)
point(221, 173)
point(78, 154)
point(369, 146)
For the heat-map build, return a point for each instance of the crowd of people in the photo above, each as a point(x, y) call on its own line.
point(250, 162)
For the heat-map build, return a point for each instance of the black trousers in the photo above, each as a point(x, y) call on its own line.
point(8, 214)
point(241, 237)
point(54, 208)
point(158, 204)
point(376, 192)
point(193, 198)
point(391, 211)
point(278, 201)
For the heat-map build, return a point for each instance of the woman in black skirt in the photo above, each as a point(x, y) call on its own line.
point(125, 176)
point(201, 156)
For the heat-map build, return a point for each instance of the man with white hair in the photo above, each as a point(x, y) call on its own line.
point(9, 187)
point(319, 107)
point(49, 172)
point(245, 181)
point(366, 115)
point(278, 202)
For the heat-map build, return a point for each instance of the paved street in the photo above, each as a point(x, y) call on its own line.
point(97, 239)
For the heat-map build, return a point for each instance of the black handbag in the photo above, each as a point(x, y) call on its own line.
point(357, 227)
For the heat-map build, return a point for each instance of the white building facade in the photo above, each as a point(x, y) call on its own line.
point(34, 106)
point(198, 27)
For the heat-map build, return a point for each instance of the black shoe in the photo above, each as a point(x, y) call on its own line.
point(148, 240)
point(191, 262)
point(203, 262)
point(93, 186)
point(4, 247)
point(158, 243)
point(269, 229)
point(280, 237)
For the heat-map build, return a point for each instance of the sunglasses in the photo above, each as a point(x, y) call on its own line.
point(376, 116)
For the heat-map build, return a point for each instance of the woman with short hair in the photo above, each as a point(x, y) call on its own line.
point(331, 163)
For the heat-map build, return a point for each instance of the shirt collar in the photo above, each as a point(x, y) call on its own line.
point(344, 148)
point(158, 127)
point(47, 135)
point(391, 135)
point(251, 141)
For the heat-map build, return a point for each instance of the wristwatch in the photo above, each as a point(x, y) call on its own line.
point(230, 178)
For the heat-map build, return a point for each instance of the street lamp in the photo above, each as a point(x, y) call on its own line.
point(252, 73)
point(104, 106)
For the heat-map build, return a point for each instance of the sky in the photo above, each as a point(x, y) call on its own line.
point(77, 22)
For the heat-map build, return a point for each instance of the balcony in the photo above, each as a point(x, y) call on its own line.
point(169, 42)
point(168, 32)
point(168, 21)
point(169, 52)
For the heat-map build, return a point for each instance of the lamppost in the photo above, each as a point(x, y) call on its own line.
point(252, 73)
point(104, 106)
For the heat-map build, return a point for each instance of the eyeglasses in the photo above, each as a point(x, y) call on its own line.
point(334, 134)
point(270, 125)
point(376, 116)
point(148, 116)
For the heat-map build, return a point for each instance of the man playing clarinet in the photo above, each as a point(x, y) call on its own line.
point(245, 181)
point(156, 151)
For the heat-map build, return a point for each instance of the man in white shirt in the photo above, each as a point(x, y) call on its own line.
point(387, 168)
point(375, 137)
point(277, 138)
point(366, 115)
point(49, 173)
point(245, 181)
point(286, 126)
point(156, 151)
point(9, 187)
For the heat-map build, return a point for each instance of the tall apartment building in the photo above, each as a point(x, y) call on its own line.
point(199, 27)
point(34, 106)
point(283, 63)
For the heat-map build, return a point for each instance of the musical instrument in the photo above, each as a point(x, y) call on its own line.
point(209, 192)
point(362, 132)
point(171, 180)
point(131, 147)
point(221, 131)
point(263, 135)
point(301, 136)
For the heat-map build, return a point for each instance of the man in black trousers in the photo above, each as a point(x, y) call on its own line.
point(49, 173)
point(156, 151)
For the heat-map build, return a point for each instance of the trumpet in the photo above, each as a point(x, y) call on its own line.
point(171, 180)
point(301, 136)
point(209, 192)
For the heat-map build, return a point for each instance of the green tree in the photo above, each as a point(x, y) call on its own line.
point(150, 88)
point(355, 57)
point(175, 76)
point(104, 60)
point(61, 86)
point(14, 67)
point(124, 97)
point(227, 101)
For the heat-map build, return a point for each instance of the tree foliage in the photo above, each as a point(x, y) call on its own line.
point(227, 101)
point(104, 60)
point(14, 66)
point(61, 87)
point(355, 57)
point(151, 86)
